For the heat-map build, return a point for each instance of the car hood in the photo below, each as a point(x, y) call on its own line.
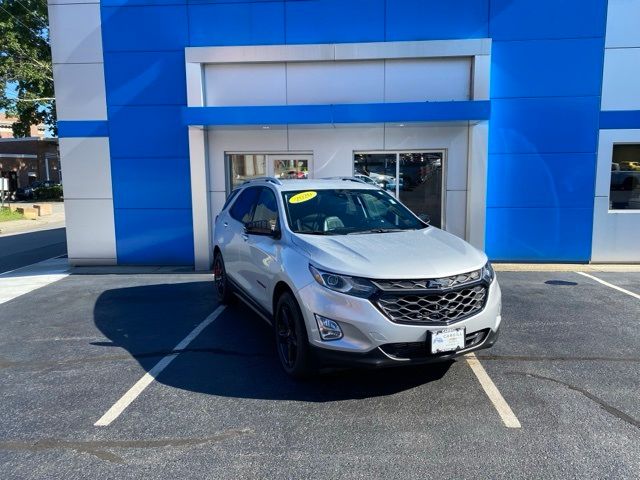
point(426, 253)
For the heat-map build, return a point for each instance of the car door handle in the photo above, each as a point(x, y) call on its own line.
point(226, 224)
point(245, 237)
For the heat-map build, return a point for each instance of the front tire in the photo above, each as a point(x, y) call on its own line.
point(292, 342)
point(224, 294)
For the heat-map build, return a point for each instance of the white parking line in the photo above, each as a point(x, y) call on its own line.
point(20, 281)
point(118, 407)
point(610, 285)
point(501, 405)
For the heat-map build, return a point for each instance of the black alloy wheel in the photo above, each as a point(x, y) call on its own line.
point(291, 337)
point(220, 282)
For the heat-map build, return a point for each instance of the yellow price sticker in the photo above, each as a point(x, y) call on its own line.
point(302, 197)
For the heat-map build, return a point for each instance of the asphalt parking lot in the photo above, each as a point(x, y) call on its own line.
point(567, 364)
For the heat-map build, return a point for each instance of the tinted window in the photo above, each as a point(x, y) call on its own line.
point(242, 209)
point(267, 208)
point(230, 198)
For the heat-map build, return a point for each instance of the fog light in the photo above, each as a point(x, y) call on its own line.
point(329, 329)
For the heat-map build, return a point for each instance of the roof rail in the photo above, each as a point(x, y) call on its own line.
point(273, 180)
point(346, 179)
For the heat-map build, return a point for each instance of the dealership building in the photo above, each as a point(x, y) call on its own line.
point(514, 124)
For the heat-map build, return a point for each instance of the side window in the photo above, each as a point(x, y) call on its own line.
point(266, 208)
point(229, 199)
point(242, 209)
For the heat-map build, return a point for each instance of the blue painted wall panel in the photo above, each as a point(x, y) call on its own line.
point(156, 131)
point(539, 234)
point(83, 128)
point(154, 237)
point(341, 113)
point(236, 24)
point(539, 19)
point(546, 68)
point(145, 78)
point(541, 180)
point(544, 125)
point(149, 28)
point(620, 119)
point(434, 20)
point(160, 182)
point(335, 21)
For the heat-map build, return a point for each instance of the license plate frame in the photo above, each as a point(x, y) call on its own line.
point(446, 340)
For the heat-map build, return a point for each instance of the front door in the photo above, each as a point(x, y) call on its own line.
point(415, 177)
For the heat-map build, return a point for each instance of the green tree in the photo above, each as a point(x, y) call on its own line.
point(25, 64)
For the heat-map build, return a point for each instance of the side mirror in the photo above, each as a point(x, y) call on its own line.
point(425, 218)
point(267, 228)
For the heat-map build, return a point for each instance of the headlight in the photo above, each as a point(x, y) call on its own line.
point(487, 273)
point(355, 286)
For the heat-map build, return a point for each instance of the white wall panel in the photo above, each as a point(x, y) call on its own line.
point(333, 147)
point(245, 84)
point(311, 83)
point(75, 33)
point(454, 139)
point(419, 80)
point(615, 234)
point(80, 91)
point(199, 198)
point(455, 212)
point(90, 230)
point(86, 168)
point(477, 183)
point(623, 18)
point(621, 80)
point(481, 78)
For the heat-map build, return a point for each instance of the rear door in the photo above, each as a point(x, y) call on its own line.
point(235, 252)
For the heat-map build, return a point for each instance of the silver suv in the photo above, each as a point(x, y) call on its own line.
point(347, 275)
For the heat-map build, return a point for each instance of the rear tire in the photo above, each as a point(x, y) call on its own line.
point(224, 293)
point(292, 342)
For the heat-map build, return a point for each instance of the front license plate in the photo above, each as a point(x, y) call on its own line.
point(447, 340)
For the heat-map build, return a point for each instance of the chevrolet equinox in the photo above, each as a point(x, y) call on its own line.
point(347, 275)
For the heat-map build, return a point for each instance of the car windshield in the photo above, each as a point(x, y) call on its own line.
point(346, 212)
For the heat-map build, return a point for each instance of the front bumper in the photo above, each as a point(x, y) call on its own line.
point(366, 328)
point(379, 358)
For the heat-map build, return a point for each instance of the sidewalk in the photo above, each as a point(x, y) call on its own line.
point(55, 220)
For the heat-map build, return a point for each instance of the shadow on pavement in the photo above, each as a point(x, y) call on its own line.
point(235, 356)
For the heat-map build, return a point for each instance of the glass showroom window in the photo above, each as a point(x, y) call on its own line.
point(625, 177)
point(243, 167)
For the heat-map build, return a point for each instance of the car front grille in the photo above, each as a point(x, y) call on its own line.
point(429, 283)
point(432, 306)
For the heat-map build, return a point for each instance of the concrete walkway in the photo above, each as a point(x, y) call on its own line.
point(55, 220)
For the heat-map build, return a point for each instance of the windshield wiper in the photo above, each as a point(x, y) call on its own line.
point(378, 230)
point(315, 232)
